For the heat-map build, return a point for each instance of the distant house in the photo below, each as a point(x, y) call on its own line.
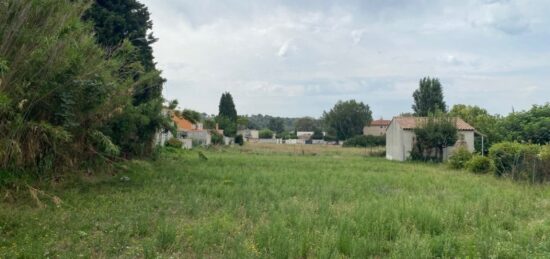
point(249, 134)
point(400, 137)
point(376, 128)
point(304, 134)
point(195, 132)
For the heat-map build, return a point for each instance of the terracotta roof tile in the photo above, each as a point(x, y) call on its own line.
point(182, 123)
point(411, 123)
point(380, 123)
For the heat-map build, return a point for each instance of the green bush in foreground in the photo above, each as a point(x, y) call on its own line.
point(459, 158)
point(479, 164)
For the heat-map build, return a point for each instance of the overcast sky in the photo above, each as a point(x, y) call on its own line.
point(298, 58)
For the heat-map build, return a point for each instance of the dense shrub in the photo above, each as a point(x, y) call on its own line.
point(265, 134)
point(174, 142)
point(459, 158)
point(217, 138)
point(512, 157)
point(365, 141)
point(239, 140)
point(479, 164)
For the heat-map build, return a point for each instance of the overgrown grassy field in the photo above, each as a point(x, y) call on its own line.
point(270, 202)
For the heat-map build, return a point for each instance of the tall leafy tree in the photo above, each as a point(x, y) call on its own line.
point(306, 124)
point(428, 98)
point(276, 124)
point(435, 133)
point(126, 22)
point(348, 118)
point(227, 115)
point(227, 107)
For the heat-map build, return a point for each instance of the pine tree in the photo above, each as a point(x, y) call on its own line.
point(428, 98)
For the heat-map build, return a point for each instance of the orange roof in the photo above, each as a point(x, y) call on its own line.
point(182, 123)
point(411, 123)
point(380, 123)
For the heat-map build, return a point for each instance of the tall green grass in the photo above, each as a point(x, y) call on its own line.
point(242, 204)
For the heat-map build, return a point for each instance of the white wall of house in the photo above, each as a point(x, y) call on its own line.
point(161, 137)
point(249, 134)
point(374, 130)
point(201, 136)
point(394, 144)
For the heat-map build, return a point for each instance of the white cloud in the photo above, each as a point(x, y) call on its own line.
point(298, 58)
point(283, 50)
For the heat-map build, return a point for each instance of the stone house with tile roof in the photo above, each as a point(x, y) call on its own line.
point(400, 137)
point(376, 128)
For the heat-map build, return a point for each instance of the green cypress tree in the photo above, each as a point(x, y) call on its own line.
point(428, 98)
point(227, 107)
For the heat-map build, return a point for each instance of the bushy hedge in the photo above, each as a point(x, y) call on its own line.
point(459, 158)
point(265, 134)
point(512, 157)
point(365, 141)
point(479, 164)
point(521, 161)
point(217, 138)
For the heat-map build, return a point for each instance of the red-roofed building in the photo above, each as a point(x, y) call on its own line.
point(376, 128)
point(400, 137)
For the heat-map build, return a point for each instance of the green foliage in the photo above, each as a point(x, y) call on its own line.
point(482, 121)
point(227, 108)
point(118, 20)
point(123, 24)
point(174, 142)
point(528, 126)
point(307, 124)
point(260, 121)
point(348, 118)
point(265, 134)
point(239, 140)
point(191, 115)
point(479, 164)
point(514, 159)
point(317, 134)
point(227, 117)
point(459, 158)
point(365, 141)
point(276, 125)
point(229, 127)
point(61, 88)
point(428, 98)
point(433, 135)
point(217, 139)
